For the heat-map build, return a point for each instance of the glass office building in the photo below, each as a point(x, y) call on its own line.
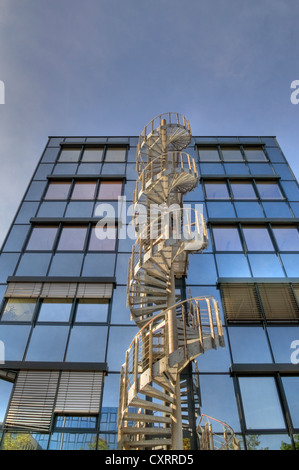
point(64, 324)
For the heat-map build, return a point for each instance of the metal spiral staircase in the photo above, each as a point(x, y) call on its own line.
point(172, 333)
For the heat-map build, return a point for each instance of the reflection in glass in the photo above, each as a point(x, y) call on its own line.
point(287, 238)
point(243, 191)
point(64, 421)
point(216, 190)
point(227, 239)
point(58, 190)
point(269, 190)
point(102, 239)
point(24, 441)
point(87, 344)
point(268, 442)
point(70, 154)
point(73, 441)
point(291, 387)
point(232, 265)
point(92, 310)
point(232, 154)
point(265, 265)
point(261, 403)
point(258, 239)
point(242, 339)
point(18, 310)
point(249, 210)
point(281, 339)
point(109, 190)
point(92, 155)
point(84, 190)
point(115, 155)
point(47, 343)
point(255, 154)
point(5, 391)
point(14, 338)
point(55, 310)
point(72, 238)
point(208, 155)
point(42, 238)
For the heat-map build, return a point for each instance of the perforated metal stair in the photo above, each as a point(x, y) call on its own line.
point(172, 334)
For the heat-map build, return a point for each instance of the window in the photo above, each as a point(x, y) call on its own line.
point(84, 190)
point(58, 190)
point(42, 238)
point(240, 302)
point(216, 190)
point(208, 155)
point(261, 403)
point(107, 243)
point(15, 339)
point(241, 341)
point(92, 310)
point(231, 154)
point(72, 238)
point(109, 190)
point(92, 155)
point(70, 154)
point(115, 155)
point(47, 343)
point(227, 239)
point(242, 190)
point(53, 310)
point(18, 310)
point(87, 422)
point(5, 391)
point(258, 239)
point(255, 154)
point(269, 190)
point(291, 385)
point(287, 238)
point(87, 344)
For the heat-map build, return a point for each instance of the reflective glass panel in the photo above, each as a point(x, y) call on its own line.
point(87, 344)
point(99, 264)
point(84, 190)
point(231, 154)
point(241, 341)
point(255, 154)
point(102, 239)
point(227, 239)
point(261, 403)
point(34, 264)
point(216, 190)
point(257, 239)
point(269, 190)
point(92, 155)
point(42, 238)
point(265, 265)
point(243, 190)
point(282, 339)
point(55, 310)
point(277, 210)
point(110, 190)
point(66, 264)
point(291, 387)
point(92, 310)
point(47, 343)
point(72, 238)
point(268, 442)
point(5, 391)
point(115, 155)
point(208, 155)
point(14, 338)
point(58, 190)
point(120, 337)
point(70, 154)
point(287, 238)
point(232, 265)
point(17, 236)
point(18, 310)
point(249, 209)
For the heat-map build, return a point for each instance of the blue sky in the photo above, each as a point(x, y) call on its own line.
point(107, 67)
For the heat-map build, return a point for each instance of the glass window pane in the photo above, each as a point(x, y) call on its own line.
point(236, 169)
point(291, 387)
point(211, 169)
point(5, 391)
point(241, 341)
point(290, 262)
point(265, 265)
point(261, 403)
point(34, 264)
point(65, 169)
point(47, 343)
point(84, 190)
point(260, 169)
point(92, 155)
point(249, 210)
point(281, 339)
point(291, 190)
point(36, 190)
point(268, 442)
point(255, 154)
point(89, 169)
point(269, 190)
point(231, 154)
point(42, 238)
point(105, 244)
point(227, 239)
point(277, 210)
point(16, 238)
point(287, 238)
point(87, 344)
point(99, 264)
point(15, 339)
point(51, 209)
point(92, 310)
point(73, 441)
point(72, 238)
point(257, 239)
point(232, 265)
point(243, 190)
point(27, 210)
point(53, 310)
point(110, 190)
point(115, 155)
point(122, 336)
point(208, 155)
point(216, 190)
point(79, 209)
point(58, 190)
point(18, 310)
point(70, 154)
point(66, 264)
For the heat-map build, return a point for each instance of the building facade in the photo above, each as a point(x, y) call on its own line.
point(65, 326)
